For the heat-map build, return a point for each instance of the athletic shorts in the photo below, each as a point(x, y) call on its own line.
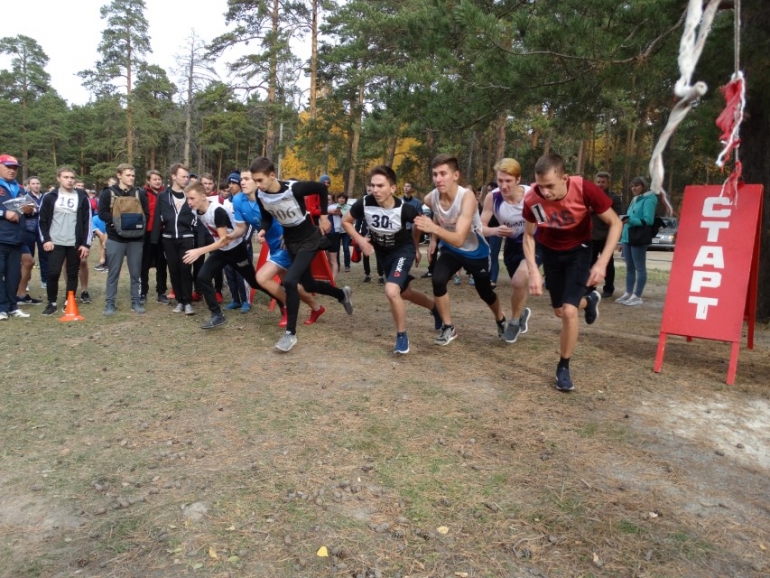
point(513, 255)
point(396, 265)
point(314, 241)
point(281, 258)
point(478, 267)
point(334, 242)
point(566, 274)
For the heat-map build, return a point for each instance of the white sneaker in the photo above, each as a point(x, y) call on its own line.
point(18, 313)
point(623, 298)
point(188, 310)
point(178, 309)
point(633, 301)
point(3, 316)
point(286, 342)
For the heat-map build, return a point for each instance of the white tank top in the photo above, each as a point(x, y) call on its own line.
point(207, 219)
point(448, 220)
point(510, 215)
point(284, 207)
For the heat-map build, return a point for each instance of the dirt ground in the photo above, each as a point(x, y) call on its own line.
point(141, 446)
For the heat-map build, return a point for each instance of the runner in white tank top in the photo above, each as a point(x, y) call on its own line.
point(457, 229)
point(506, 203)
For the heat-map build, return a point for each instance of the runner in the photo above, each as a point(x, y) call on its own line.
point(456, 227)
point(559, 206)
point(223, 251)
point(284, 202)
point(396, 246)
point(247, 214)
point(504, 204)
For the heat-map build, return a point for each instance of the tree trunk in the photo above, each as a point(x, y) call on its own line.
point(188, 109)
point(358, 110)
point(313, 59)
point(500, 147)
point(391, 154)
point(581, 158)
point(272, 87)
point(129, 110)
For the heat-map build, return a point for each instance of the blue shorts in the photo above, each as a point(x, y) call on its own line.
point(396, 265)
point(281, 258)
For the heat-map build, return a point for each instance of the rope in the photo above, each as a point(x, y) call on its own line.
point(733, 141)
point(696, 28)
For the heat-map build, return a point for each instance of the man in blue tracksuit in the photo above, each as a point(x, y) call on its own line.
point(13, 227)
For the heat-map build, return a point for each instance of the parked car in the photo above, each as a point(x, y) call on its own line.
point(666, 236)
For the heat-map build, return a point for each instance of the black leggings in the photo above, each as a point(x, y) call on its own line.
point(238, 259)
point(449, 263)
point(55, 262)
point(299, 272)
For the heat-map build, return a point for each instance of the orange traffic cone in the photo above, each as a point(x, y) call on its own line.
point(71, 312)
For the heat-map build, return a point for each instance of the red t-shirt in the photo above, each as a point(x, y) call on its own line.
point(565, 224)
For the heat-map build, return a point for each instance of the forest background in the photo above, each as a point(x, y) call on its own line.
point(396, 82)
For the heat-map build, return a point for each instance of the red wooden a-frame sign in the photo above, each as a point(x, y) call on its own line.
point(712, 290)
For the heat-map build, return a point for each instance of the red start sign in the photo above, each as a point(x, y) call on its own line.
point(713, 283)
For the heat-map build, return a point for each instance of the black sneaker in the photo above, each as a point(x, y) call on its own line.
point(367, 279)
point(447, 335)
point(381, 280)
point(27, 300)
point(592, 306)
point(563, 380)
point(216, 320)
point(50, 309)
point(163, 299)
point(427, 275)
point(500, 327)
point(85, 297)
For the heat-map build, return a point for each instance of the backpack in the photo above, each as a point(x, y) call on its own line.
point(128, 215)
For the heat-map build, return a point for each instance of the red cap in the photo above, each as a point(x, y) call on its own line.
point(9, 161)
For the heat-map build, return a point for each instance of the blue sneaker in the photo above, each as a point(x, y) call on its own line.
point(402, 344)
point(437, 323)
point(592, 306)
point(245, 308)
point(563, 380)
point(233, 305)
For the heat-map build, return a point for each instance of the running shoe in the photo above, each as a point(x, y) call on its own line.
point(85, 297)
point(511, 333)
point(524, 319)
point(286, 342)
point(18, 313)
point(500, 327)
point(178, 309)
point(162, 298)
point(3, 316)
point(623, 298)
point(458, 280)
point(447, 335)
point(563, 380)
point(347, 303)
point(101, 267)
point(314, 315)
point(368, 279)
point(216, 320)
point(44, 285)
point(427, 275)
point(28, 300)
point(402, 344)
point(188, 310)
point(109, 309)
point(143, 300)
point(381, 280)
point(197, 296)
point(50, 309)
point(245, 308)
point(138, 308)
point(633, 301)
point(592, 306)
point(471, 281)
point(232, 306)
point(284, 317)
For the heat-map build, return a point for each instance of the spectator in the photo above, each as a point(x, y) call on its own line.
point(152, 252)
point(640, 217)
point(32, 237)
point(13, 226)
point(599, 231)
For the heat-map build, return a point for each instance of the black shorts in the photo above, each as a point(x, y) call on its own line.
point(566, 274)
point(396, 265)
point(313, 241)
point(334, 242)
point(478, 268)
point(513, 255)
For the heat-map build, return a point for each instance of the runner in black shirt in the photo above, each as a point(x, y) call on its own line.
point(285, 202)
point(395, 245)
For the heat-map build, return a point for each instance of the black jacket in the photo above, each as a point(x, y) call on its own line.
point(83, 230)
point(105, 210)
point(170, 223)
